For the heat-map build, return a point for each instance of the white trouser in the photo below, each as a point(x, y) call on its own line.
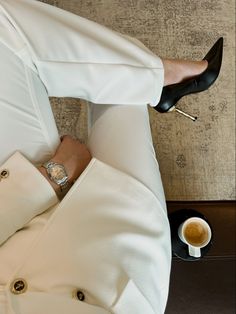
point(56, 53)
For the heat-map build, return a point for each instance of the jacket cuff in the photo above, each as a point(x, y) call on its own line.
point(24, 194)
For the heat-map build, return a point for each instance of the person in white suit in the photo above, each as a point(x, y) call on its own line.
point(101, 243)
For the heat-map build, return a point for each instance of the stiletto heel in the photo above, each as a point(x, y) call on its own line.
point(171, 94)
point(185, 114)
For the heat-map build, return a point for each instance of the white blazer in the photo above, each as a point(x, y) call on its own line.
point(109, 238)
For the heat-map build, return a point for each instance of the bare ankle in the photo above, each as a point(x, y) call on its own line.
point(171, 75)
point(176, 71)
point(168, 76)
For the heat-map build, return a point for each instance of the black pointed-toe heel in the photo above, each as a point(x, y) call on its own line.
point(171, 94)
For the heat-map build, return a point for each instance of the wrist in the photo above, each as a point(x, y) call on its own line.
point(55, 186)
point(67, 167)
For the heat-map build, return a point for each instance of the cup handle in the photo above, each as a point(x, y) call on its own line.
point(194, 251)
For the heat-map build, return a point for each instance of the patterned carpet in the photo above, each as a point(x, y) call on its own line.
point(197, 159)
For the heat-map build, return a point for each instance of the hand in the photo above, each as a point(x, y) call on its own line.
point(75, 157)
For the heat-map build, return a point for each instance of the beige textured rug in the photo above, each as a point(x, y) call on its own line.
point(197, 159)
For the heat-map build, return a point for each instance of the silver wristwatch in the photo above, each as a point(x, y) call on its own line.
point(57, 173)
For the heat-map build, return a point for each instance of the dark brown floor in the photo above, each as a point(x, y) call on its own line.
point(202, 287)
point(206, 286)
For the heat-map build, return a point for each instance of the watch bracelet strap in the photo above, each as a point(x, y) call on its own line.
point(64, 186)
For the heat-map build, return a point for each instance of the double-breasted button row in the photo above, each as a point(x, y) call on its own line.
point(4, 174)
point(19, 286)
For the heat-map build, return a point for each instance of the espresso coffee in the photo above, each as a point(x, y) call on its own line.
point(195, 233)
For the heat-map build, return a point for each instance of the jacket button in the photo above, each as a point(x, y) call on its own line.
point(4, 174)
point(18, 286)
point(78, 294)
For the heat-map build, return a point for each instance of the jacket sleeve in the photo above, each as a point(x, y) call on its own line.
point(24, 193)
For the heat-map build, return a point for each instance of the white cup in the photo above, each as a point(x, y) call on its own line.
point(196, 233)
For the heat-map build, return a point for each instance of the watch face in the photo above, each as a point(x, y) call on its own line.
point(57, 172)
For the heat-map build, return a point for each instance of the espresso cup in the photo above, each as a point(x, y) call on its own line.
point(196, 233)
